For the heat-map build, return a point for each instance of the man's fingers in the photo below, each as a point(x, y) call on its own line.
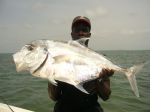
point(111, 72)
point(106, 72)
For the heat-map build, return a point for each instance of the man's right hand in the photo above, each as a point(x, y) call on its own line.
point(105, 73)
point(103, 86)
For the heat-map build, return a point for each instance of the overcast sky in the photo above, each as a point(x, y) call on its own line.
point(116, 24)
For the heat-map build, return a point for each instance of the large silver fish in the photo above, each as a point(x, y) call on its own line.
point(68, 62)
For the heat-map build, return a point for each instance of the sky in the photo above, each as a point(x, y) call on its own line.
point(116, 24)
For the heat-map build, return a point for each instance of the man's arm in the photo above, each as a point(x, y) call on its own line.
point(103, 86)
point(54, 92)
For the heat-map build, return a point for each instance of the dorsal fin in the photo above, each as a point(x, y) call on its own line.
point(79, 43)
point(83, 41)
point(75, 43)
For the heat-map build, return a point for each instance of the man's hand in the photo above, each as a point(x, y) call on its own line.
point(105, 73)
point(54, 92)
point(103, 86)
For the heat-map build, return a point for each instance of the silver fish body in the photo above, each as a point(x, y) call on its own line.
point(69, 62)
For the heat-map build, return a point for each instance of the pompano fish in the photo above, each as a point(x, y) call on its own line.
point(69, 62)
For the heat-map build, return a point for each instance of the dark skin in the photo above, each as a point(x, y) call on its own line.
point(80, 30)
point(53, 92)
point(102, 88)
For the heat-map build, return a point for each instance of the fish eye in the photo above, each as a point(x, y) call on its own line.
point(30, 47)
point(45, 49)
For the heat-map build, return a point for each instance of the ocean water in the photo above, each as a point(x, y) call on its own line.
point(26, 91)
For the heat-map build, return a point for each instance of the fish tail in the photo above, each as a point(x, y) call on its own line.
point(130, 73)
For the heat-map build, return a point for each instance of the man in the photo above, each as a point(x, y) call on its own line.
point(70, 99)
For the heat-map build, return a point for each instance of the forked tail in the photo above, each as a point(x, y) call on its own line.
point(130, 73)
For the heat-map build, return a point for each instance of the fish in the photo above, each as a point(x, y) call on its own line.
point(69, 62)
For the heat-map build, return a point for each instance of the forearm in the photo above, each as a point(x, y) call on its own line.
point(53, 92)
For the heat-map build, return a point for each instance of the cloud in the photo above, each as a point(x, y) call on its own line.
point(38, 6)
point(133, 31)
point(122, 32)
point(27, 26)
point(56, 21)
point(2, 27)
point(132, 14)
point(128, 32)
point(104, 33)
point(145, 31)
point(99, 11)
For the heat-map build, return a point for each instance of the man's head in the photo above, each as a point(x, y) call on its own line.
point(81, 27)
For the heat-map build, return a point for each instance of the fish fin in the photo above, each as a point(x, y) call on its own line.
point(83, 41)
point(77, 43)
point(130, 73)
point(71, 82)
point(66, 80)
point(52, 80)
point(80, 87)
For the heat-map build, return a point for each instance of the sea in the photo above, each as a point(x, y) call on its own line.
point(29, 92)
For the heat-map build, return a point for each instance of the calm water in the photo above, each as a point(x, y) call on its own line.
point(26, 91)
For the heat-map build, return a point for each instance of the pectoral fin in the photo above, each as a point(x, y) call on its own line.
point(52, 80)
point(80, 87)
point(71, 82)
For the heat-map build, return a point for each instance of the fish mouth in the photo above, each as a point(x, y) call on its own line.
point(41, 65)
point(17, 61)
